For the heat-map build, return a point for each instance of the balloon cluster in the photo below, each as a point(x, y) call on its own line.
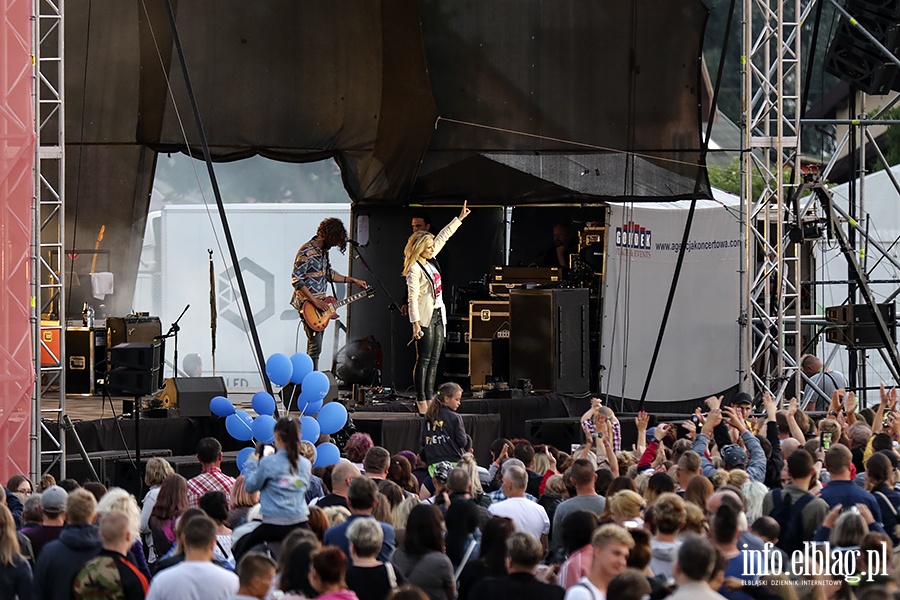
point(314, 385)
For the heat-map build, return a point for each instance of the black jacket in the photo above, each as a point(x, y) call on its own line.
point(61, 560)
point(444, 439)
point(521, 586)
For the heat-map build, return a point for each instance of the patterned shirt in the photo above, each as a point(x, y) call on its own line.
point(312, 269)
point(499, 496)
point(211, 479)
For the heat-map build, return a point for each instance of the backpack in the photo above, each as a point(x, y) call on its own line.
point(790, 518)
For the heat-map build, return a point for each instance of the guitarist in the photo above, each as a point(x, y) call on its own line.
point(312, 273)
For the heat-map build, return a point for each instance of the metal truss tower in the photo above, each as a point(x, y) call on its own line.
point(48, 249)
point(771, 312)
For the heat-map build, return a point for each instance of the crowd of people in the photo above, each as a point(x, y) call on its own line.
point(722, 505)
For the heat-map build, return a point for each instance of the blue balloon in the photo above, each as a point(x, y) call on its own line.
point(239, 426)
point(242, 457)
point(303, 366)
point(309, 406)
point(332, 417)
point(316, 385)
point(263, 403)
point(327, 454)
point(264, 429)
point(309, 429)
point(279, 368)
point(221, 406)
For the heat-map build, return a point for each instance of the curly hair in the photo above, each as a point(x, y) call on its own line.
point(333, 233)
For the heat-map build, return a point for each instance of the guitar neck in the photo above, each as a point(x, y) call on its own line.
point(350, 299)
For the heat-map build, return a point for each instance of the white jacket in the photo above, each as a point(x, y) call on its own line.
point(418, 286)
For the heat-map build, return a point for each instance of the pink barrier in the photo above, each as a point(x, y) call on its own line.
point(17, 141)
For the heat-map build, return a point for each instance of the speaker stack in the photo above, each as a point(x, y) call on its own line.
point(855, 59)
point(857, 325)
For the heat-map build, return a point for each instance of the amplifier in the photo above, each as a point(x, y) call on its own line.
point(132, 329)
point(488, 319)
point(526, 275)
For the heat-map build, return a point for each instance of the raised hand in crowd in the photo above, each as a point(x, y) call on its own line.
point(465, 212)
point(691, 429)
point(850, 408)
point(714, 402)
point(712, 419)
point(734, 419)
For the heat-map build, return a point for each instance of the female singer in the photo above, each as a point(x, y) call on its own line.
point(426, 304)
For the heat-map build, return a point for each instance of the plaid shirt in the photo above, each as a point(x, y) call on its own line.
point(617, 436)
point(211, 479)
point(499, 496)
point(312, 269)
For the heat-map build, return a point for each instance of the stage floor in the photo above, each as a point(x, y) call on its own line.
point(394, 425)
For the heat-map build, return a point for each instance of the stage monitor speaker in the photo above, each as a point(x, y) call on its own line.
point(191, 395)
point(139, 356)
point(549, 336)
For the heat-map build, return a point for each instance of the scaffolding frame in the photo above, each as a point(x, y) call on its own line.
point(771, 311)
point(48, 245)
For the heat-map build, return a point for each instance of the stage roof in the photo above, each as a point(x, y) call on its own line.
point(419, 101)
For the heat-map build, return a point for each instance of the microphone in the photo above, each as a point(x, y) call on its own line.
point(356, 244)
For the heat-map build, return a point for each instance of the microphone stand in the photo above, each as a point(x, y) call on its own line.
point(393, 308)
point(173, 333)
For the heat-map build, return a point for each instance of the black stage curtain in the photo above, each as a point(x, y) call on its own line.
point(513, 412)
point(402, 431)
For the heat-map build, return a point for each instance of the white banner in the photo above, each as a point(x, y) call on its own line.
point(699, 353)
point(266, 238)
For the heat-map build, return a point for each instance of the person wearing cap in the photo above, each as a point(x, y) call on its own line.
point(440, 472)
point(743, 405)
point(752, 460)
point(53, 505)
point(362, 496)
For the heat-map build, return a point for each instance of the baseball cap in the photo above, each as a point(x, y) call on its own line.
point(53, 499)
point(441, 470)
point(742, 399)
point(734, 457)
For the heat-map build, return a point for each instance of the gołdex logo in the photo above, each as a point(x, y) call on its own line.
point(633, 236)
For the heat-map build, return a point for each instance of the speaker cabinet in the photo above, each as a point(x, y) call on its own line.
point(549, 336)
point(191, 395)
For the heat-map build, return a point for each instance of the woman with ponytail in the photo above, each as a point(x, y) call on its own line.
point(282, 479)
point(443, 435)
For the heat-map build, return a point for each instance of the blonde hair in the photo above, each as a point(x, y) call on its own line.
point(336, 515)
point(81, 507)
point(307, 451)
point(737, 478)
point(240, 496)
point(541, 463)
point(556, 485)
point(415, 246)
point(117, 500)
point(624, 503)
point(157, 470)
point(401, 512)
point(9, 543)
point(468, 464)
point(696, 519)
point(611, 533)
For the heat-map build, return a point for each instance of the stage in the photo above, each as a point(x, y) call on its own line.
point(394, 425)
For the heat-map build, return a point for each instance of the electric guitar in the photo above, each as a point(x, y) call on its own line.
point(318, 321)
